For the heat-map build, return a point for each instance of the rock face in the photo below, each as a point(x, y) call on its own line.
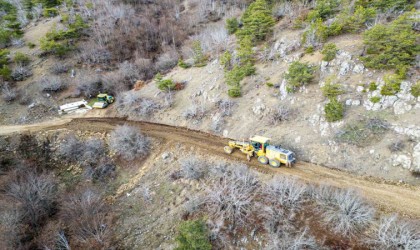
point(401, 161)
point(401, 103)
point(358, 68)
point(416, 158)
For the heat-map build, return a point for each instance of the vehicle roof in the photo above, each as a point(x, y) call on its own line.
point(279, 149)
point(260, 139)
point(102, 95)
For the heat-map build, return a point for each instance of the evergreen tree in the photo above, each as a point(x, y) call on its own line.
point(257, 21)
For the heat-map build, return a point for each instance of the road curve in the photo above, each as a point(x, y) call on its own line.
point(388, 197)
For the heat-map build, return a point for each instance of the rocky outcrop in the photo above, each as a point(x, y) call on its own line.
point(416, 159)
point(401, 103)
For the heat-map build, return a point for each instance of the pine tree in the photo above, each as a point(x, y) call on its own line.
point(257, 21)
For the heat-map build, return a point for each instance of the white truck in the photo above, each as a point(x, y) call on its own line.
point(74, 107)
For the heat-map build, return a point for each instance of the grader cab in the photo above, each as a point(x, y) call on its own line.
point(260, 147)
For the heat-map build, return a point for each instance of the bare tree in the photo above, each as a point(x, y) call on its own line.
point(36, 194)
point(393, 234)
point(85, 214)
point(52, 84)
point(71, 148)
point(10, 234)
point(233, 197)
point(129, 143)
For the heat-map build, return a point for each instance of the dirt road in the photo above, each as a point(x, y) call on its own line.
point(388, 197)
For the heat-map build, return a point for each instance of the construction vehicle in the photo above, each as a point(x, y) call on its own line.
point(260, 147)
point(103, 100)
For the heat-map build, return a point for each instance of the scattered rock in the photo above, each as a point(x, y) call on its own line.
point(165, 155)
point(356, 103)
point(344, 68)
point(416, 158)
point(358, 68)
point(401, 107)
point(360, 89)
point(401, 161)
point(258, 107)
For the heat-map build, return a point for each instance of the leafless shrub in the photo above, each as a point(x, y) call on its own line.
point(232, 198)
point(193, 204)
point(36, 194)
point(290, 241)
point(146, 108)
point(130, 103)
point(52, 84)
point(129, 143)
point(10, 236)
point(25, 97)
point(268, 53)
point(280, 114)
point(346, 212)
point(8, 94)
point(217, 123)
point(88, 84)
point(213, 39)
point(377, 125)
point(167, 61)
point(95, 55)
point(85, 215)
point(92, 151)
point(225, 107)
point(129, 72)
point(396, 146)
point(193, 168)
point(59, 68)
point(194, 112)
point(71, 148)
point(20, 73)
point(105, 170)
point(291, 10)
point(17, 42)
point(286, 192)
point(114, 82)
point(394, 234)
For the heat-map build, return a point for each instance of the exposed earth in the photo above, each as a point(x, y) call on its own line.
point(389, 197)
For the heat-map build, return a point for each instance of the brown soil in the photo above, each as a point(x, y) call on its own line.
point(389, 197)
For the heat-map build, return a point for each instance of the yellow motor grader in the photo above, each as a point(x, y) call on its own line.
point(260, 147)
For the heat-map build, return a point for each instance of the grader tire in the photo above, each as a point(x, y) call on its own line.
point(228, 150)
point(263, 160)
point(274, 163)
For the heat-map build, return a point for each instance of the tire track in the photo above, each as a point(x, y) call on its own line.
point(387, 196)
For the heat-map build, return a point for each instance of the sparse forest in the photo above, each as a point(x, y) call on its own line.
point(335, 82)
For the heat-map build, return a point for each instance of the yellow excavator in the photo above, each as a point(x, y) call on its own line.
point(260, 147)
